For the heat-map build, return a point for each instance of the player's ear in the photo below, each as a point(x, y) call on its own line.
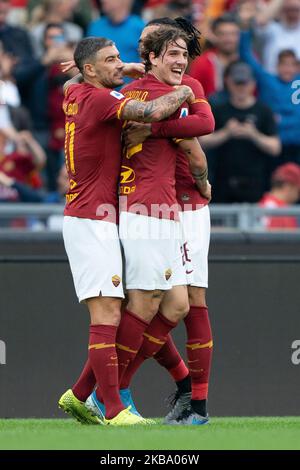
point(153, 59)
point(89, 70)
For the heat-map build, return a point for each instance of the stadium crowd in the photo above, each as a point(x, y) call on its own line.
point(249, 69)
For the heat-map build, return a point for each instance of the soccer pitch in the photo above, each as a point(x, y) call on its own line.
point(221, 433)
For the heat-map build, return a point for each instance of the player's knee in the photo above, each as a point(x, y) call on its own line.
point(145, 311)
point(177, 312)
point(150, 312)
point(113, 313)
point(115, 316)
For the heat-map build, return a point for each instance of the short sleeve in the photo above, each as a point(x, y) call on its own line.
point(108, 104)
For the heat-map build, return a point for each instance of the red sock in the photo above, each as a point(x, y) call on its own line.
point(154, 338)
point(104, 361)
point(86, 383)
point(199, 350)
point(169, 358)
point(129, 339)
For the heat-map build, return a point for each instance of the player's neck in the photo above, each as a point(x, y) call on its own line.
point(94, 82)
point(151, 72)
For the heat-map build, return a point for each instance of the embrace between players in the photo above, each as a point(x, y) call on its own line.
point(163, 222)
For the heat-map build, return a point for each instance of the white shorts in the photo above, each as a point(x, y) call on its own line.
point(94, 252)
point(152, 252)
point(196, 226)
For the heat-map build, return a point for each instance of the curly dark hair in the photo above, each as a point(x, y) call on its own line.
point(183, 24)
point(159, 40)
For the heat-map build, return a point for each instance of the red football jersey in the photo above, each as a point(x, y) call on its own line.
point(188, 195)
point(148, 169)
point(92, 150)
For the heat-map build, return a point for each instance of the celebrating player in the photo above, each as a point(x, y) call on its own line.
point(190, 402)
point(93, 147)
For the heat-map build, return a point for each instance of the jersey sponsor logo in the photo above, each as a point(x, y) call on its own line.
point(117, 95)
point(127, 175)
point(72, 184)
point(168, 274)
point(184, 112)
point(71, 197)
point(116, 280)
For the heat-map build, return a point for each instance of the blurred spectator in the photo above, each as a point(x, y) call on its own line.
point(138, 7)
point(171, 9)
point(7, 128)
point(5, 120)
point(244, 139)
point(9, 90)
point(285, 191)
point(276, 91)
point(81, 13)
point(120, 26)
point(209, 67)
point(12, 190)
point(54, 34)
point(16, 41)
point(22, 165)
point(216, 8)
point(281, 35)
point(47, 81)
point(58, 12)
point(20, 118)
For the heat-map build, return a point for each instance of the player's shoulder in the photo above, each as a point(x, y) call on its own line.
point(187, 80)
point(192, 83)
point(136, 84)
point(72, 90)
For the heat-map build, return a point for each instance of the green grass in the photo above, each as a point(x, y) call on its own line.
point(221, 433)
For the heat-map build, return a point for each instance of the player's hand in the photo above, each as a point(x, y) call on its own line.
point(134, 70)
point(247, 12)
point(135, 133)
point(191, 96)
point(206, 191)
point(67, 66)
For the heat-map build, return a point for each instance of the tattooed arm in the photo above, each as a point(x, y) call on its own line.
point(158, 109)
point(198, 165)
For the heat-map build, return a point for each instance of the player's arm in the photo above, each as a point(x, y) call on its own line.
point(73, 81)
point(130, 69)
point(158, 109)
point(199, 122)
point(198, 165)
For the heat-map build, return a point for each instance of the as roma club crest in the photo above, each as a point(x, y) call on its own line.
point(168, 274)
point(116, 280)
